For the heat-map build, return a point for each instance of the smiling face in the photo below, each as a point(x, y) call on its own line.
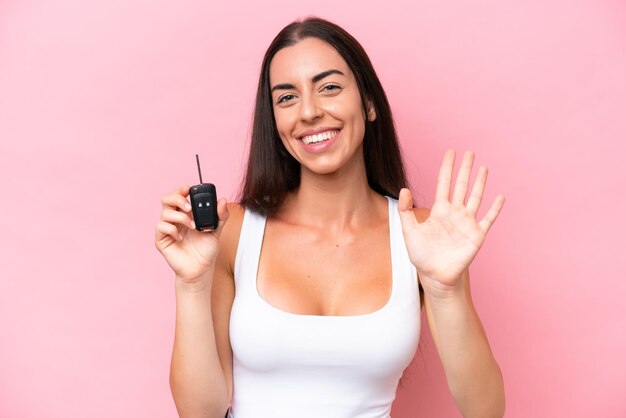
point(317, 106)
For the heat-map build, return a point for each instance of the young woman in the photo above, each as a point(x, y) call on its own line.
point(305, 301)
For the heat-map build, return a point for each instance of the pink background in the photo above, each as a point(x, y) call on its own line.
point(104, 104)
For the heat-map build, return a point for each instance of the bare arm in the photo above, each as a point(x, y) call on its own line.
point(197, 379)
point(473, 376)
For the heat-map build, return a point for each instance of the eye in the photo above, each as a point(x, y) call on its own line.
point(283, 97)
point(331, 85)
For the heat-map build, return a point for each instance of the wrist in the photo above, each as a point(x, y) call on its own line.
point(434, 290)
point(201, 284)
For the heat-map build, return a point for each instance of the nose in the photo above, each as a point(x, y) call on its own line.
point(310, 109)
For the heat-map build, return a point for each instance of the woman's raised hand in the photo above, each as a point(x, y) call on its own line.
point(189, 252)
point(444, 245)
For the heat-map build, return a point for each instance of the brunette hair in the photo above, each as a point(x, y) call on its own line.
point(272, 171)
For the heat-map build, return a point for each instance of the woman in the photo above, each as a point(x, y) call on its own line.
point(330, 261)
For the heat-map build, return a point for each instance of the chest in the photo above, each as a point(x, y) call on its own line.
point(304, 273)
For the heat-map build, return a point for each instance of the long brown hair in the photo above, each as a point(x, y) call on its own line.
point(272, 171)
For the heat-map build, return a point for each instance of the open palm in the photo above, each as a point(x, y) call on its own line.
point(445, 244)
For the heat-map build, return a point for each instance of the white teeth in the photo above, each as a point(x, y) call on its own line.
point(312, 139)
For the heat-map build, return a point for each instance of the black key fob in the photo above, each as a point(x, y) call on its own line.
point(204, 204)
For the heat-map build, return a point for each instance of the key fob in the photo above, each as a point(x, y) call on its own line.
point(204, 204)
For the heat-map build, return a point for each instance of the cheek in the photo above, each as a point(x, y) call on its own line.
point(287, 141)
point(333, 108)
point(349, 108)
point(284, 123)
point(289, 147)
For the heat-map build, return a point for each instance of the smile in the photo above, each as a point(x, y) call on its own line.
point(322, 142)
point(324, 136)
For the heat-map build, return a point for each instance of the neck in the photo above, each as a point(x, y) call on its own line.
point(336, 202)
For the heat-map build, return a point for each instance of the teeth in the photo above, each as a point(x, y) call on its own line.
point(312, 139)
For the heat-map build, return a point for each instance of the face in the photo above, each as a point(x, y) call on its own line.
point(317, 106)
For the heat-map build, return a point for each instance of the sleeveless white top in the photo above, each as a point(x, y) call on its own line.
point(289, 365)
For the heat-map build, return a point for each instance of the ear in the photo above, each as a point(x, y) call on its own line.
point(371, 111)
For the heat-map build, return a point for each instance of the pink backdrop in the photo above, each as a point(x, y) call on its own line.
point(104, 104)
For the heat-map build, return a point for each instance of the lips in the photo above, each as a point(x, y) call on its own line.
point(322, 146)
point(321, 137)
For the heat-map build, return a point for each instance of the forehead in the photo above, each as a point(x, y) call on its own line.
point(305, 59)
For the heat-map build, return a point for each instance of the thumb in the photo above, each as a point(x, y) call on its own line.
point(405, 209)
point(222, 215)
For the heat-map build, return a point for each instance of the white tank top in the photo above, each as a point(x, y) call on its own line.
point(289, 365)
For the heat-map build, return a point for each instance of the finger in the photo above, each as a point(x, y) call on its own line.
point(164, 229)
point(184, 191)
point(445, 176)
point(477, 191)
point(405, 208)
point(177, 218)
point(462, 179)
point(176, 200)
point(492, 214)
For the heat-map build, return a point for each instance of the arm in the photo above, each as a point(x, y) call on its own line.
point(197, 379)
point(473, 376)
point(441, 248)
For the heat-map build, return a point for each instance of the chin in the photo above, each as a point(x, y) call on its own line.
point(319, 168)
point(323, 169)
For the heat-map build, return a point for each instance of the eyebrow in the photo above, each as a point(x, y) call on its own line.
point(315, 79)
